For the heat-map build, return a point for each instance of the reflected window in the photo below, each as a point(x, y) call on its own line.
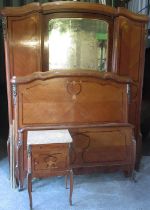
point(78, 43)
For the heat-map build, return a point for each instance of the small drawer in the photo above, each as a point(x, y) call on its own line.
point(51, 157)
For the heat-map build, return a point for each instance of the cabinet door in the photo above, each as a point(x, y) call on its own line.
point(24, 42)
point(130, 48)
point(129, 61)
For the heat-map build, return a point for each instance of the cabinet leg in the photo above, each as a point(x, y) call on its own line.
point(127, 173)
point(66, 181)
point(133, 177)
point(71, 187)
point(29, 177)
point(130, 173)
point(20, 186)
point(20, 183)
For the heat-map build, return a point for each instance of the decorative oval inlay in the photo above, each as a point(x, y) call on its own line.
point(74, 88)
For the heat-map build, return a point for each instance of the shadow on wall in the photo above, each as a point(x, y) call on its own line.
point(3, 100)
point(145, 112)
point(3, 120)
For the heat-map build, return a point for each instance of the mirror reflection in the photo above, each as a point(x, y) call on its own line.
point(78, 43)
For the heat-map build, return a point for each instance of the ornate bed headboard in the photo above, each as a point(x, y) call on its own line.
point(64, 99)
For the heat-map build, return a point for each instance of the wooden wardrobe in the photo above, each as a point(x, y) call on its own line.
point(116, 55)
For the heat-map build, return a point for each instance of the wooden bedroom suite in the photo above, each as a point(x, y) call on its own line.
point(74, 74)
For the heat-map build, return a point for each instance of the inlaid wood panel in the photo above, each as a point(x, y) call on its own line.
point(72, 100)
point(49, 157)
point(103, 145)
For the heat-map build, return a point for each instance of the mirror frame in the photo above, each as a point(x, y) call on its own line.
point(45, 34)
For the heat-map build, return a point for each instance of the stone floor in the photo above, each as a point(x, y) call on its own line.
point(91, 192)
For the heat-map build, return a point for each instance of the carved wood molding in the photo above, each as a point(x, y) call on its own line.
point(70, 126)
point(69, 74)
point(22, 10)
point(52, 7)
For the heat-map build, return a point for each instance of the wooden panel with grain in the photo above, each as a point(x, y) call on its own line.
point(24, 44)
point(72, 101)
point(101, 145)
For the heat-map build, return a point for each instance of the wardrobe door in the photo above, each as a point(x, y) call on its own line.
point(129, 61)
point(24, 42)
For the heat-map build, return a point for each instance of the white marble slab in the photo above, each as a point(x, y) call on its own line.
point(48, 137)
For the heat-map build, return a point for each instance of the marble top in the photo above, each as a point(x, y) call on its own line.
point(48, 137)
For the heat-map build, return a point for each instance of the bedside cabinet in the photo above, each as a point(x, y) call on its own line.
point(48, 155)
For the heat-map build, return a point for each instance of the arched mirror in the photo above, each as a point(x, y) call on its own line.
point(78, 43)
